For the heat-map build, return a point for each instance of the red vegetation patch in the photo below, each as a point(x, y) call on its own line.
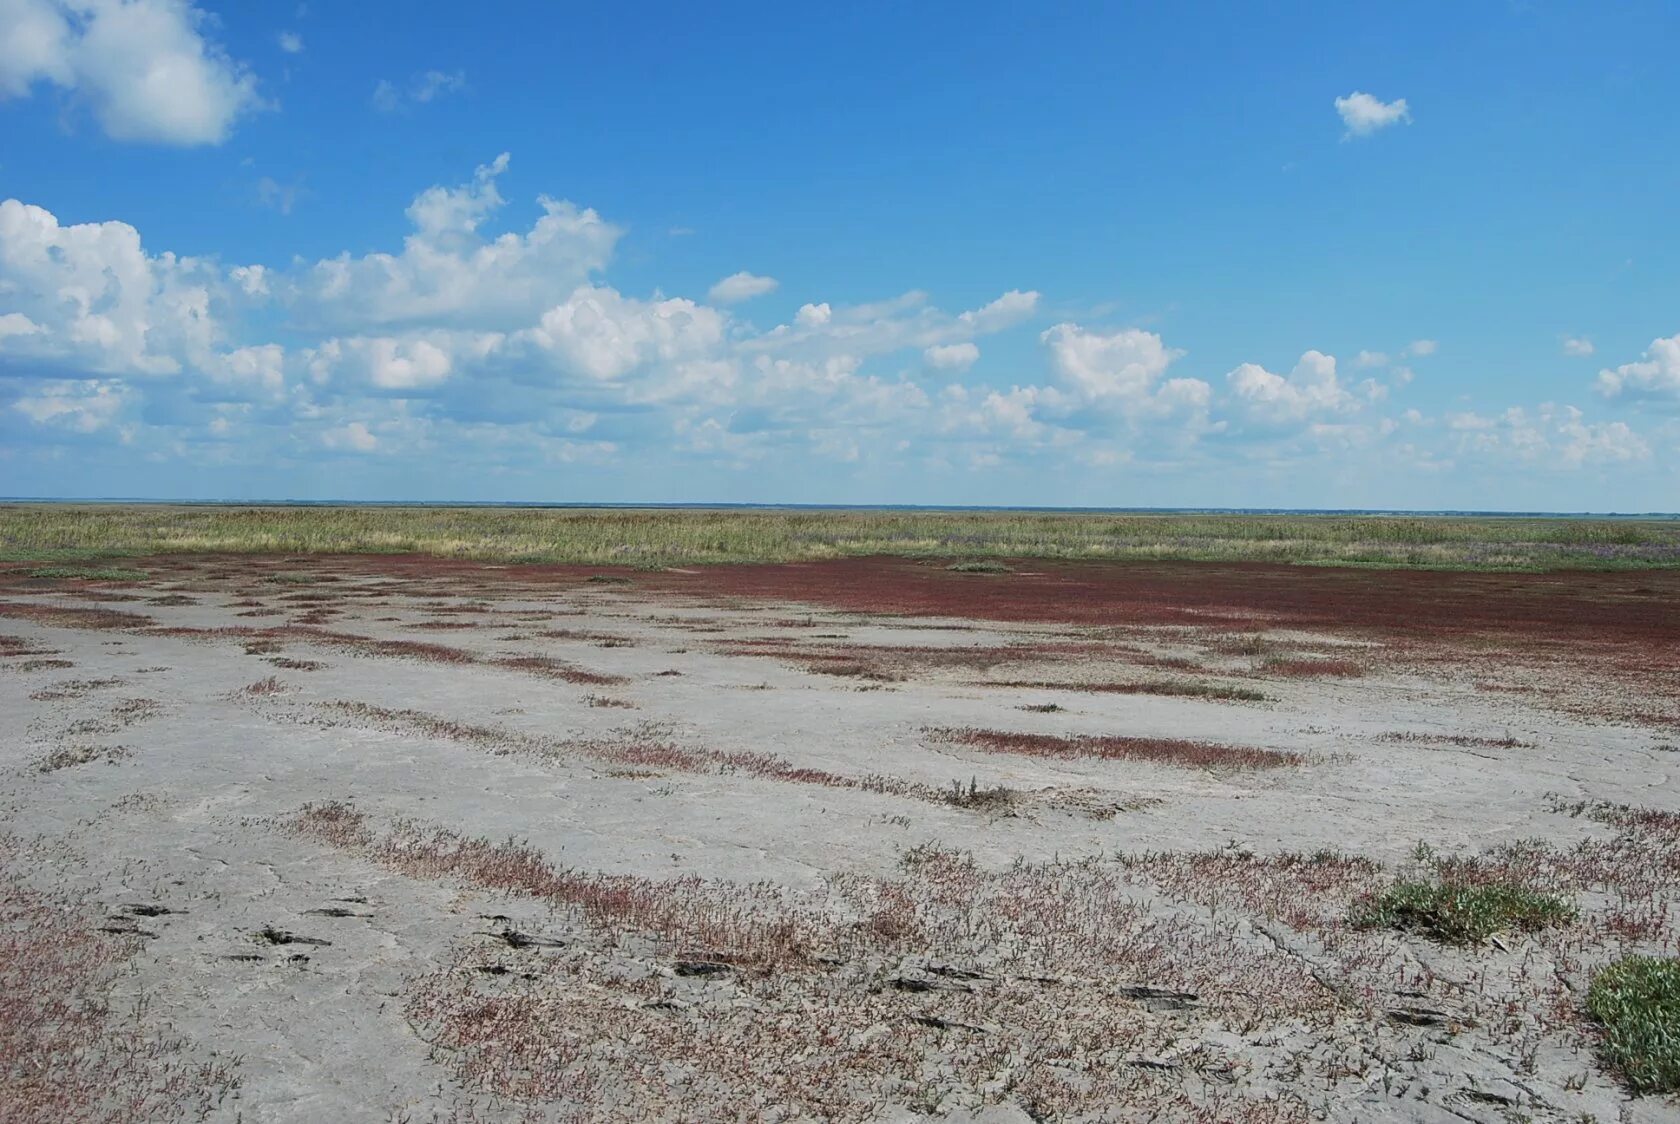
point(1305, 892)
point(550, 668)
point(1171, 688)
point(1180, 752)
point(1466, 741)
point(1645, 604)
point(1311, 668)
point(890, 663)
point(66, 1051)
point(45, 665)
point(17, 646)
point(373, 646)
point(64, 616)
point(736, 933)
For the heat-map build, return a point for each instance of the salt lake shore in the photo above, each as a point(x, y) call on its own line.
point(356, 837)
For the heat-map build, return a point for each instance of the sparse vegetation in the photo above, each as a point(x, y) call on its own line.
point(653, 537)
point(1303, 668)
point(70, 756)
point(68, 1049)
point(1637, 999)
point(1181, 752)
point(1167, 687)
point(87, 574)
point(1458, 912)
point(981, 567)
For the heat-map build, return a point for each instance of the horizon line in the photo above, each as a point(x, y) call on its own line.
point(773, 506)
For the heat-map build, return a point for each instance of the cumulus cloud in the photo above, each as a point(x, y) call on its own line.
point(90, 297)
point(738, 287)
point(882, 327)
point(1123, 364)
point(602, 335)
point(290, 42)
point(450, 272)
point(1552, 436)
point(1578, 347)
point(1422, 348)
point(951, 356)
point(142, 67)
point(1312, 390)
point(1655, 376)
point(351, 437)
point(1362, 114)
point(511, 349)
point(79, 407)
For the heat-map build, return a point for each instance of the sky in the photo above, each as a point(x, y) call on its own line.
point(1137, 255)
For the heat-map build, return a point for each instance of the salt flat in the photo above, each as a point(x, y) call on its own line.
point(367, 840)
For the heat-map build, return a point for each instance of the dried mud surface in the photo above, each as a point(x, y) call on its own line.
point(397, 839)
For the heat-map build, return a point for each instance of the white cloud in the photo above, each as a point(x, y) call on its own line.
point(1422, 348)
point(602, 335)
point(290, 42)
point(251, 279)
point(17, 324)
point(951, 356)
point(1364, 114)
point(282, 197)
point(1552, 436)
point(1124, 364)
point(93, 298)
point(80, 407)
point(508, 350)
point(436, 83)
point(738, 287)
point(260, 368)
point(351, 437)
point(425, 87)
point(398, 365)
point(1578, 347)
point(1657, 375)
point(882, 327)
point(141, 66)
point(1311, 391)
point(450, 273)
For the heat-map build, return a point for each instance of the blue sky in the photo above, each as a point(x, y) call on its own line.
point(1138, 255)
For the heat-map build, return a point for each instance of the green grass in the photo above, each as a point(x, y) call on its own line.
point(1638, 1000)
point(653, 537)
point(1461, 913)
point(90, 574)
point(983, 567)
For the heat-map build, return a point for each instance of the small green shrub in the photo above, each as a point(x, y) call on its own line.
point(1638, 1000)
point(982, 567)
point(1460, 912)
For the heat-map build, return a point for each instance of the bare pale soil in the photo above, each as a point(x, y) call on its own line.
point(368, 839)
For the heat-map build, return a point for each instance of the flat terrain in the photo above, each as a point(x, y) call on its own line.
point(659, 537)
point(312, 836)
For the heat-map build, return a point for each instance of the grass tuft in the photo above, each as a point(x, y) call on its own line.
point(1638, 1000)
point(1461, 913)
point(980, 567)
